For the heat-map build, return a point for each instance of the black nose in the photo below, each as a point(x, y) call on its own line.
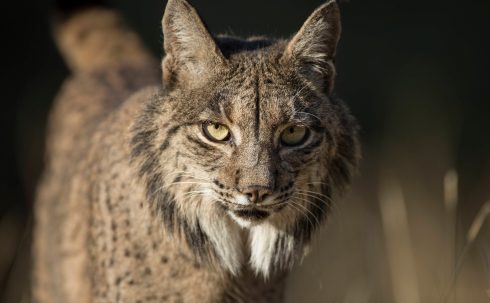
point(256, 194)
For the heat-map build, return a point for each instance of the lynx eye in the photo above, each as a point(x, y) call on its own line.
point(294, 135)
point(216, 132)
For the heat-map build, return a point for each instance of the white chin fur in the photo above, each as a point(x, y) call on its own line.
point(263, 238)
point(264, 255)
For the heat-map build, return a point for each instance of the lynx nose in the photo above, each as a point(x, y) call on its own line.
point(256, 194)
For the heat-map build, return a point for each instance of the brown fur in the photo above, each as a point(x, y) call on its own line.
point(136, 205)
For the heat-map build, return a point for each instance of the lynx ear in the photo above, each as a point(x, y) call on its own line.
point(312, 49)
point(190, 51)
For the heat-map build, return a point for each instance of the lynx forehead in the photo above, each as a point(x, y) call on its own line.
point(196, 185)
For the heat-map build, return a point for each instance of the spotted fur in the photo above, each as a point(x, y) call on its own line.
point(138, 205)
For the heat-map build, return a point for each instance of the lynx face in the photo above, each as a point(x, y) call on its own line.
point(247, 132)
point(260, 140)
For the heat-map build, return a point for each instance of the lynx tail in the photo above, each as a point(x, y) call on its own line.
point(92, 37)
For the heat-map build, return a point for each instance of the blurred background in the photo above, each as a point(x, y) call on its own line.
point(416, 74)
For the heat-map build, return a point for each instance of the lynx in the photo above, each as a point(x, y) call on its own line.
point(200, 181)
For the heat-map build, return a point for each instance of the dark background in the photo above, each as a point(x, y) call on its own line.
point(415, 74)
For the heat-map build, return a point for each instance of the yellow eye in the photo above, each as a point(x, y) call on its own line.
point(294, 135)
point(216, 132)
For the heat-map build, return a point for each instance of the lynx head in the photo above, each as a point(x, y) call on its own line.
point(245, 139)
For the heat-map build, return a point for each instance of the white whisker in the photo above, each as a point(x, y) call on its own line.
point(296, 202)
point(328, 201)
point(311, 203)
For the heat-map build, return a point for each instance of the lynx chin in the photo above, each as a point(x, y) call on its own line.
point(200, 179)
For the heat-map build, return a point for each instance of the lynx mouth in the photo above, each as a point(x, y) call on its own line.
point(251, 214)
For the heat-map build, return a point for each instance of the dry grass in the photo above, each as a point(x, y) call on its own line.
point(471, 237)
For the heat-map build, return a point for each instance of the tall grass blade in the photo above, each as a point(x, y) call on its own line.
point(398, 244)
